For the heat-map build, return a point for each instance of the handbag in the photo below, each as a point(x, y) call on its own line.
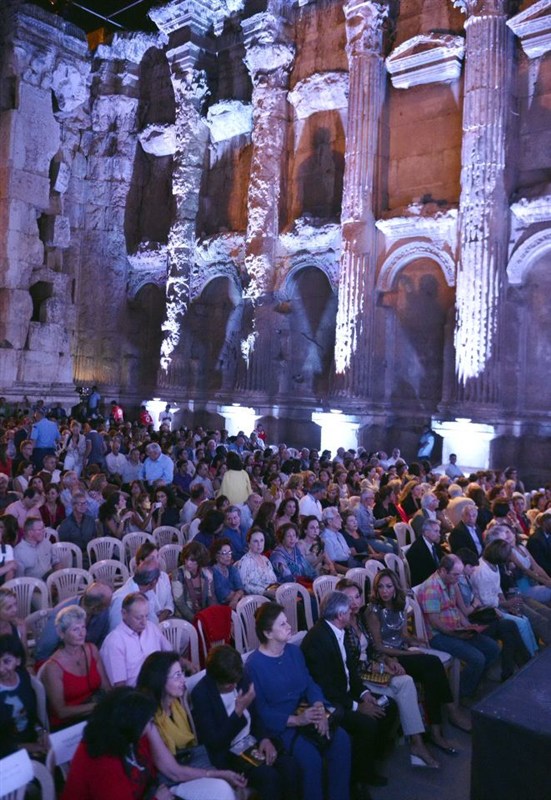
point(484, 615)
point(311, 733)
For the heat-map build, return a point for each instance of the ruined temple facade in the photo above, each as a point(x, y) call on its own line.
point(299, 207)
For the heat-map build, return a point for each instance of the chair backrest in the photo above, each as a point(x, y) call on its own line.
point(41, 707)
point(45, 779)
point(237, 634)
point(245, 610)
point(372, 567)
point(404, 531)
point(183, 637)
point(105, 547)
point(323, 585)
point(169, 555)
point(109, 571)
point(69, 554)
point(359, 575)
point(401, 567)
point(413, 608)
point(35, 624)
point(290, 595)
point(16, 771)
point(29, 591)
point(63, 746)
point(166, 534)
point(51, 535)
point(66, 583)
point(132, 541)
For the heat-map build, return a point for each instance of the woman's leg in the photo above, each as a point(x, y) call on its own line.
point(204, 789)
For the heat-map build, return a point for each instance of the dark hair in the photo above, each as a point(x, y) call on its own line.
point(281, 509)
point(224, 664)
point(211, 521)
point(22, 467)
point(467, 556)
point(145, 550)
point(194, 550)
point(500, 507)
point(154, 674)
point(345, 583)
point(11, 529)
point(109, 507)
point(282, 530)
point(255, 529)
point(217, 545)
point(398, 602)
point(133, 597)
point(197, 491)
point(233, 460)
point(264, 617)
point(265, 514)
point(117, 722)
point(305, 522)
point(497, 552)
point(11, 644)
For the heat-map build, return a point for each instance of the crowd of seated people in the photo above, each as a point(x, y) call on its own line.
point(248, 518)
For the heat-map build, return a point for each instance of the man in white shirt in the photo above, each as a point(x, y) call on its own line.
point(115, 460)
point(452, 470)
point(310, 505)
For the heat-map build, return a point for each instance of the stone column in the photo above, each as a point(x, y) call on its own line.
point(269, 56)
point(364, 31)
point(484, 207)
point(186, 23)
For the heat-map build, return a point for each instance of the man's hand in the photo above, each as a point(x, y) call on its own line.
point(368, 706)
point(244, 700)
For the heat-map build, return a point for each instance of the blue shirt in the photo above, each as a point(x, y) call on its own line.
point(224, 586)
point(162, 467)
point(45, 434)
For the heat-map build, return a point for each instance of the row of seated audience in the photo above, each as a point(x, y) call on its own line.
point(264, 532)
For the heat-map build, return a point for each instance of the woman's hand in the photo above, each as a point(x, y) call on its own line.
point(163, 793)
point(244, 700)
point(235, 779)
point(268, 750)
point(394, 667)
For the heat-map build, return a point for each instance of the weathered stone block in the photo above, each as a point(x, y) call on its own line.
point(56, 231)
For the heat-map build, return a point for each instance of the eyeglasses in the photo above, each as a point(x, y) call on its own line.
point(224, 552)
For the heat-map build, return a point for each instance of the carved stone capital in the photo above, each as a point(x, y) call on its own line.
point(365, 21)
point(199, 15)
point(268, 49)
point(533, 28)
point(485, 8)
point(189, 83)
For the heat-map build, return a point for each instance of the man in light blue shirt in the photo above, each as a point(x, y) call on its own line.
point(157, 465)
point(44, 436)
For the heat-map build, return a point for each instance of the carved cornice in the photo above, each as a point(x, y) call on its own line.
point(199, 15)
point(533, 210)
point(527, 253)
point(365, 22)
point(533, 28)
point(229, 118)
point(486, 8)
point(413, 251)
point(429, 58)
point(416, 220)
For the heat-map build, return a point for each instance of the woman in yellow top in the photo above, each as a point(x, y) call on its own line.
point(161, 677)
point(236, 484)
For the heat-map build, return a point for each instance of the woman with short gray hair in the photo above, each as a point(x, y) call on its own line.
point(74, 676)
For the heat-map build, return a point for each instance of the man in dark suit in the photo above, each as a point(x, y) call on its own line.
point(429, 504)
point(467, 533)
point(331, 666)
point(539, 544)
point(425, 553)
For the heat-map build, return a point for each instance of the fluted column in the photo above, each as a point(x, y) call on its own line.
point(364, 31)
point(269, 57)
point(484, 207)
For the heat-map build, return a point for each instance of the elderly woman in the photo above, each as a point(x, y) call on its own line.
point(287, 559)
point(192, 581)
point(162, 678)
point(282, 684)
point(121, 753)
point(228, 587)
point(74, 676)
point(75, 449)
point(256, 571)
point(335, 544)
point(228, 725)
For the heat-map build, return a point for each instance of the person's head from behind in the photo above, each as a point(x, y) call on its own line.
point(96, 598)
point(271, 623)
point(162, 676)
point(225, 667)
point(497, 552)
point(118, 722)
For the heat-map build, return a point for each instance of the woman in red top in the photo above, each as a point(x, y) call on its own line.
point(53, 510)
point(74, 675)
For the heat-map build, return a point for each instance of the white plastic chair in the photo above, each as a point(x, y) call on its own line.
point(401, 567)
point(66, 583)
point(183, 638)
point(105, 547)
point(132, 541)
point(69, 554)
point(287, 595)
point(51, 535)
point(109, 571)
point(372, 567)
point(403, 531)
point(324, 584)
point(29, 591)
point(32, 769)
point(359, 575)
point(245, 611)
point(166, 534)
point(41, 706)
point(168, 556)
point(35, 624)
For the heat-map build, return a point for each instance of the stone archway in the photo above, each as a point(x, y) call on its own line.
point(144, 337)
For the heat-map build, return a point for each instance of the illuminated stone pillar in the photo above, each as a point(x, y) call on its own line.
point(365, 20)
point(269, 57)
point(484, 207)
point(192, 136)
